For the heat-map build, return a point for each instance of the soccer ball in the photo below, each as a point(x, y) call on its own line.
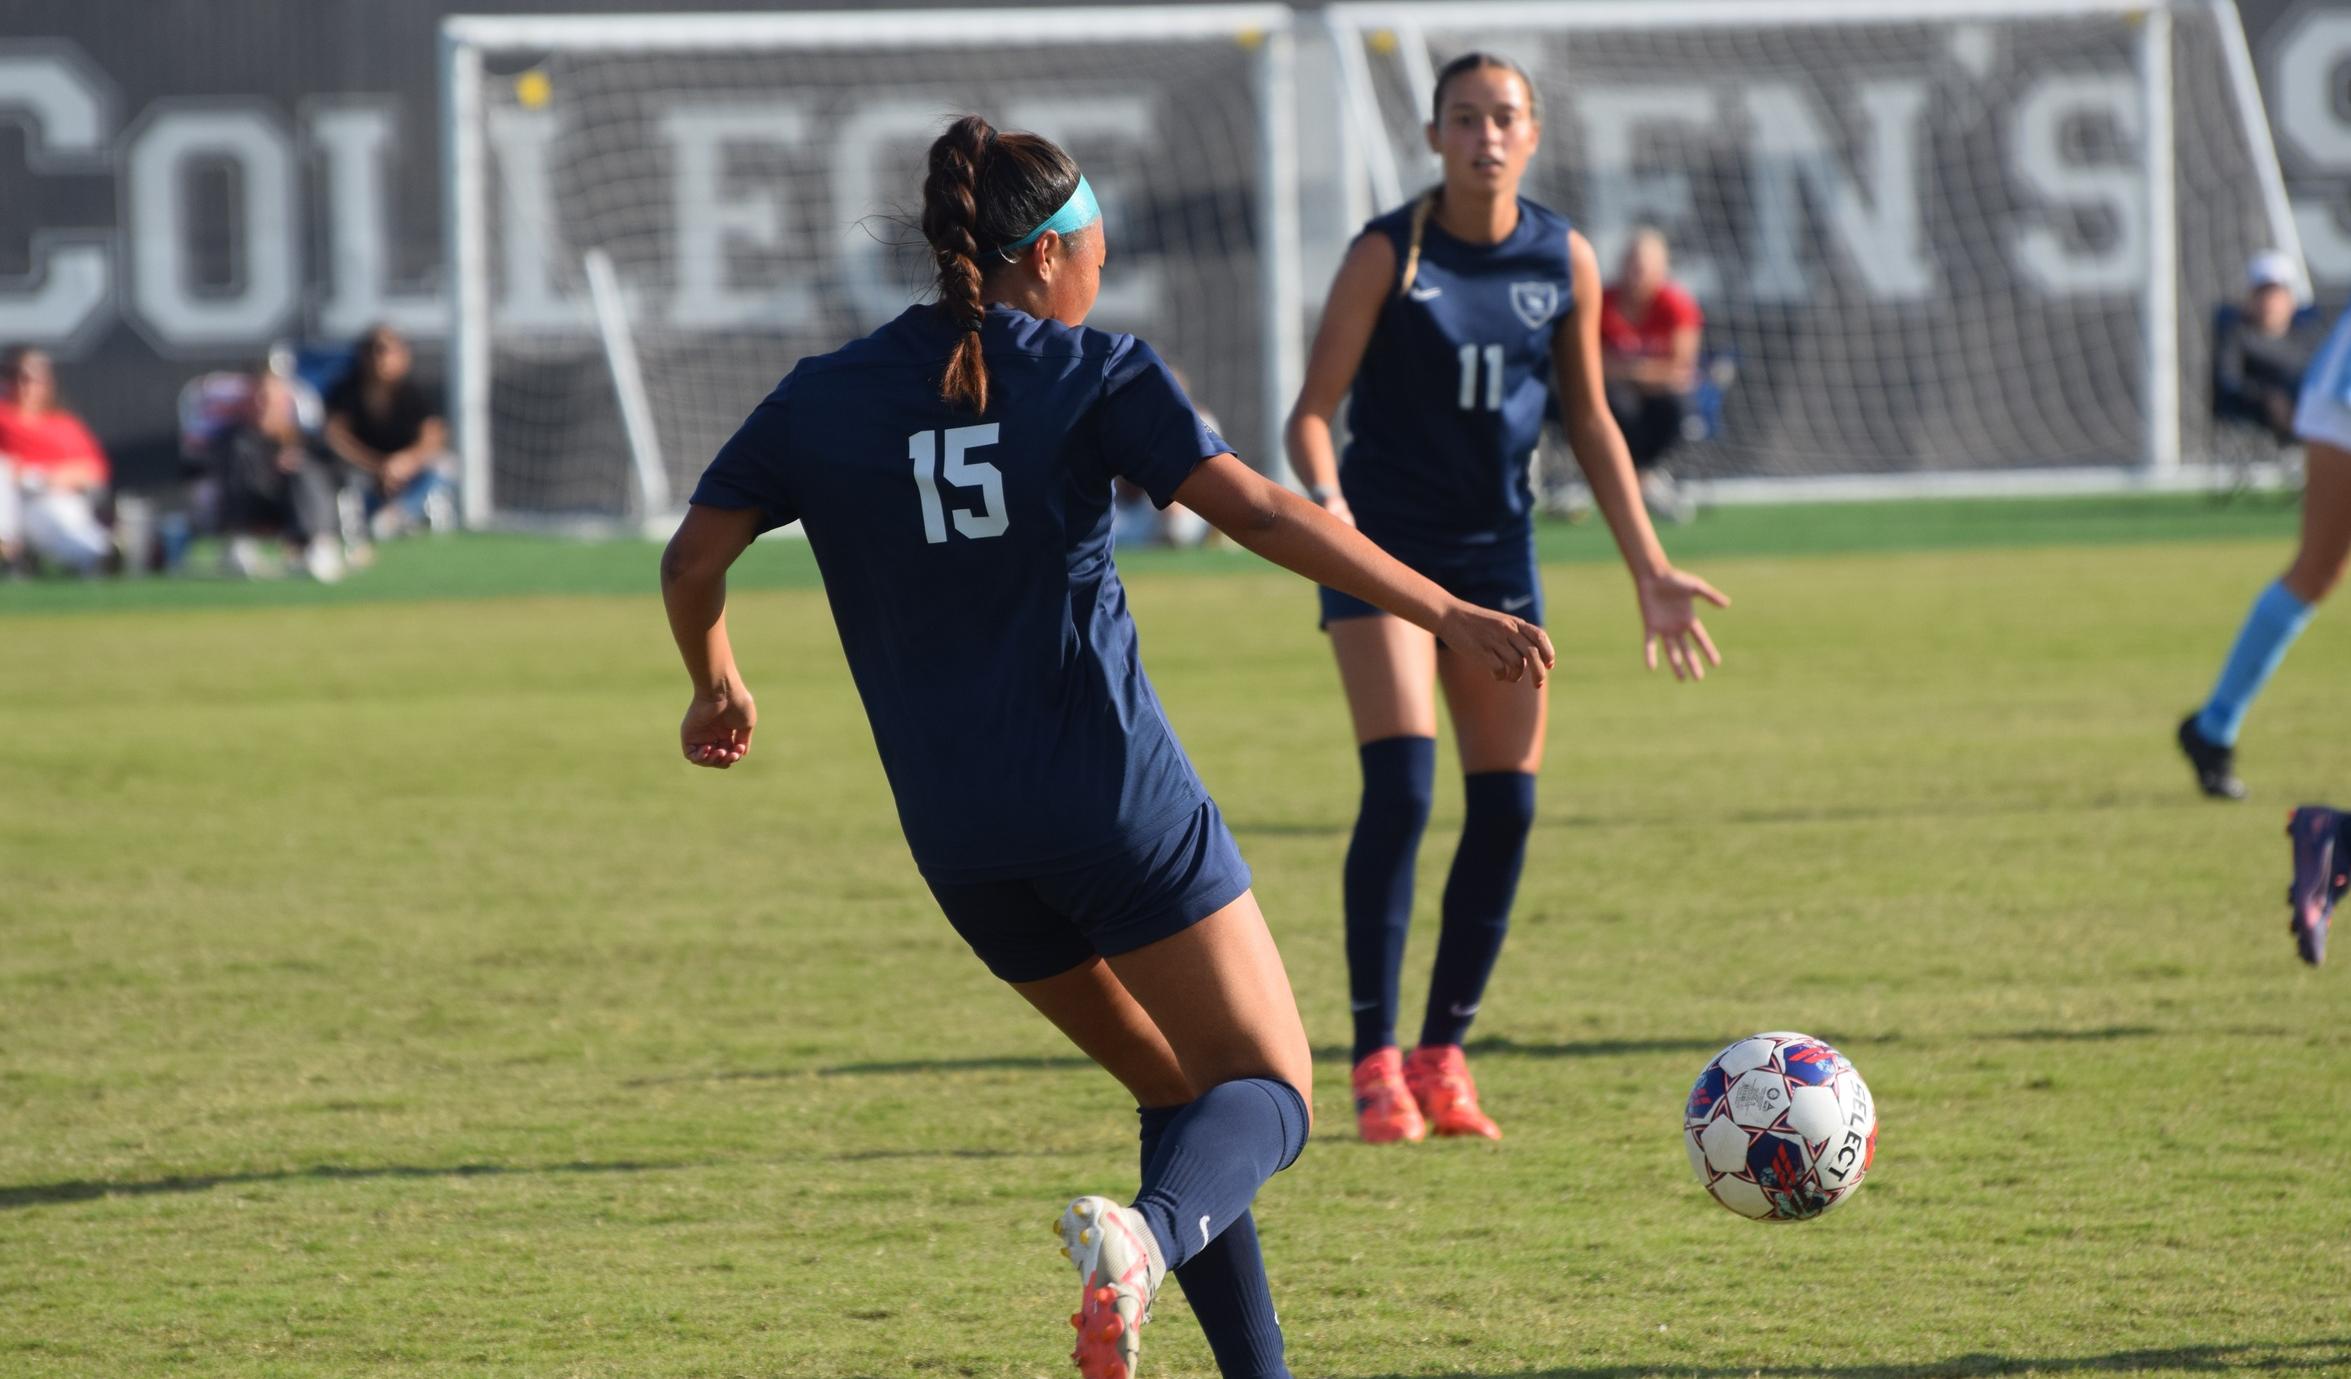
point(1780, 1127)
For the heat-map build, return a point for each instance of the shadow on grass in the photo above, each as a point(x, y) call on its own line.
point(1041, 1063)
point(1491, 1046)
point(1327, 1053)
point(2285, 1357)
point(2099, 1035)
point(1814, 814)
point(860, 1156)
point(85, 1190)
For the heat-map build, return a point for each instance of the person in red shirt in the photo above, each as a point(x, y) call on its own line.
point(1649, 334)
point(52, 470)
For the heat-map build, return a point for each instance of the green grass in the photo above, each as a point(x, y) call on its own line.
point(503, 566)
point(381, 997)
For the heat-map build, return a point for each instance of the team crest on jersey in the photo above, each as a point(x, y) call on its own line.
point(1534, 302)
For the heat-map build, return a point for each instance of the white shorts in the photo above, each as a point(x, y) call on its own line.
point(2323, 414)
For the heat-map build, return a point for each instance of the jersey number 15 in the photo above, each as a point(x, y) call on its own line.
point(989, 518)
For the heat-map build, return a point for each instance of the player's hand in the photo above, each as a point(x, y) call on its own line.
point(1511, 647)
point(1336, 506)
point(717, 728)
point(1669, 619)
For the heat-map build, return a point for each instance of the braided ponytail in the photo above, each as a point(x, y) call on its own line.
point(985, 191)
point(950, 221)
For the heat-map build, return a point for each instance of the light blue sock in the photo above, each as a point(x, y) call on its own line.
point(2276, 620)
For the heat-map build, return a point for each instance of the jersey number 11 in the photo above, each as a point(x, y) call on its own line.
point(989, 519)
point(1469, 378)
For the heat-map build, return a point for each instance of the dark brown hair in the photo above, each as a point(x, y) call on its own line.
point(985, 190)
point(1471, 62)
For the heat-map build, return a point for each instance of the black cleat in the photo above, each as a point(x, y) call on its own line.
point(2320, 878)
point(2215, 765)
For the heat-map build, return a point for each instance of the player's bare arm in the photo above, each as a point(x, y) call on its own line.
point(716, 730)
point(1270, 521)
point(1363, 283)
point(1668, 597)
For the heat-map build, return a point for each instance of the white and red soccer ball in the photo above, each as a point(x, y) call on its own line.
point(1780, 1127)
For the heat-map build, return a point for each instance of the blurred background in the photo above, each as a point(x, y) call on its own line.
point(1938, 248)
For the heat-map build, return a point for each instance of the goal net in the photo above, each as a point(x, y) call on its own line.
point(654, 217)
point(1943, 239)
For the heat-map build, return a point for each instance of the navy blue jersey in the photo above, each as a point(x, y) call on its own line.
point(1448, 402)
point(968, 565)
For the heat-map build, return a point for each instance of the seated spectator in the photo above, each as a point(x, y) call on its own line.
point(384, 425)
point(273, 482)
point(1649, 334)
point(52, 470)
point(2258, 351)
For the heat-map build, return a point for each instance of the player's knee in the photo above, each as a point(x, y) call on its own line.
point(2314, 575)
point(1502, 802)
point(1400, 782)
point(1295, 1106)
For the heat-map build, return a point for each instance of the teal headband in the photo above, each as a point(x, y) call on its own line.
point(1075, 214)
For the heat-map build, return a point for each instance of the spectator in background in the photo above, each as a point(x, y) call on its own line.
point(1649, 334)
point(2258, 355)
point(52, 469)
point(274, 482)
point(384, 425)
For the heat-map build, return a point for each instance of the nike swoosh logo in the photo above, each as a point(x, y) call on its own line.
point(1462, 1012)
point(1513, 605)
point(1426, 294)
point(1203, 1232)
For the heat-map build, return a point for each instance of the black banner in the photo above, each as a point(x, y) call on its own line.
point(182, 184)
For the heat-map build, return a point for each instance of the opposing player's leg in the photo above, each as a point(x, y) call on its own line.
point(1501, 730)
point(2326, 524)
point(2209, 736)
point(1388, 669)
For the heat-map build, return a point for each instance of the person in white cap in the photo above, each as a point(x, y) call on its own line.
point(2259, 351)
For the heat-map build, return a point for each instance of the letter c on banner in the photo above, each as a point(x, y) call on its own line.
point(66, 109)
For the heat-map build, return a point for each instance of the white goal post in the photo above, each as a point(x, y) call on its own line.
point(1955, 245)
point(747, 187)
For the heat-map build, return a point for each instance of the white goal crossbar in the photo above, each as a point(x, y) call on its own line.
point(2134, 350)
point(574, 60)
point(1784, 114)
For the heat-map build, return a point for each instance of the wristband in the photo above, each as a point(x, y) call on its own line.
point(1320, 494)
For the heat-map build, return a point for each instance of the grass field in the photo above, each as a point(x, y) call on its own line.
point(380, 996)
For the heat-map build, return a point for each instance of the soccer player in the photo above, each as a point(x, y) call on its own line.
point(1448, 320)
point(953, 474)
point(2322, 418)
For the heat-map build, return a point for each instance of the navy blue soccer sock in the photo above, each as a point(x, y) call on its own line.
point(1498, 809)
point(1399, 777)
point(1226, 1285)
point(1212, 1158)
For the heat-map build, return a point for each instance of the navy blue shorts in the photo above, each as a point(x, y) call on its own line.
point(1501, 576)
point(1035, 927)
